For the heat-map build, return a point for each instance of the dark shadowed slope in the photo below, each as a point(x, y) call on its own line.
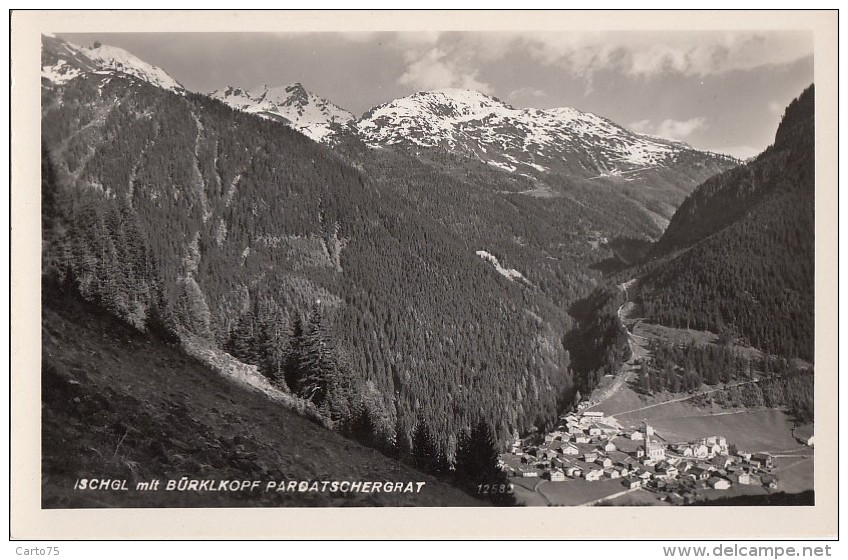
point(122, 405)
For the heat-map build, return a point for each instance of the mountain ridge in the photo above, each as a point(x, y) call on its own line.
point(62, 61)
point(303, 110)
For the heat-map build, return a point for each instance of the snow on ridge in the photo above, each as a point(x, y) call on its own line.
point(65, 61)
point(118, 59)
point(509, 273)
point(457, 118)
point(302, 110)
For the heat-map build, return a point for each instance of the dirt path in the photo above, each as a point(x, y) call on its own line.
point(638, 352)
point(610, 497)
point(540, 493)
point(687, 397)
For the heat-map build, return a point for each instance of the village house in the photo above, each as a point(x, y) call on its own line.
point(682, 449)
point(666, 470)
point(718, 483)
point(741, 477)
point(590, 457)
point(700, 451)
point(684, 466)
point(569, 449)
point(699, 473)
point(635, 435)
point(557, 475)
point(574, 472)
point(593, 474)
point(721, 461)
point(605, 462)
point(769, 480)
point(804, 434)
point(717, 442)
point(611, 473)
point(734, 450)
point(595, 430)
point(609, 446)
point(762, 460)
point(556, 435)
point(632, 483)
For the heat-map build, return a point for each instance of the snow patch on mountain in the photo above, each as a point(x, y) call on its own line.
point(60, 72)
point(304, 111)
point(509, 273)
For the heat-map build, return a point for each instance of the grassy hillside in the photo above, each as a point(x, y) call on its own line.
point(120, 404)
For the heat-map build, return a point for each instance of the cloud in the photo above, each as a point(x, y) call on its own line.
point(435, 68)
point(526, 92)
point(776, 108)
point(669, 128)
point(647, 54)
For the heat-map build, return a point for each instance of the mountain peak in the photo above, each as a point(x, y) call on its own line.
point(293, 104)
point(62, 61)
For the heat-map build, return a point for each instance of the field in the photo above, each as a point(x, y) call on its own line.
point(567, 493)
point(639, 497)
point(795, 474)
point(752, 430)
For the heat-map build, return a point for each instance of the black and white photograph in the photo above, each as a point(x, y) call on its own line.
point(504, 267)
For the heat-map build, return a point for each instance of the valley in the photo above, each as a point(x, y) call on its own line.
point(603, 446)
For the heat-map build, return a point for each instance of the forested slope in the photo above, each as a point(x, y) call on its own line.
point(738, 256)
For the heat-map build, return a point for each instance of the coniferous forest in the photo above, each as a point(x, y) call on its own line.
point(180, 214)
point(738, 255)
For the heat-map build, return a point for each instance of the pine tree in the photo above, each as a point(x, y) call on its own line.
point(291, 361)
point(477, 464)
point(323, 380)
point(425, 452)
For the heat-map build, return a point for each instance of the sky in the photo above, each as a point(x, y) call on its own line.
point(723, 91)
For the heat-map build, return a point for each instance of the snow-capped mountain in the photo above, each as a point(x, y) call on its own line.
point(62, 61)
point(312, 115)
point(519, 140)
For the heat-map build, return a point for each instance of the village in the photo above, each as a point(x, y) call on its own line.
point(587, 445)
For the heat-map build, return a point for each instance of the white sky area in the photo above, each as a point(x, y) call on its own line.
point(717, 90)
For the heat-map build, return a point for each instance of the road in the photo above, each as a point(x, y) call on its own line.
point(689, 396)
point(637, 351)
point(610, 497)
